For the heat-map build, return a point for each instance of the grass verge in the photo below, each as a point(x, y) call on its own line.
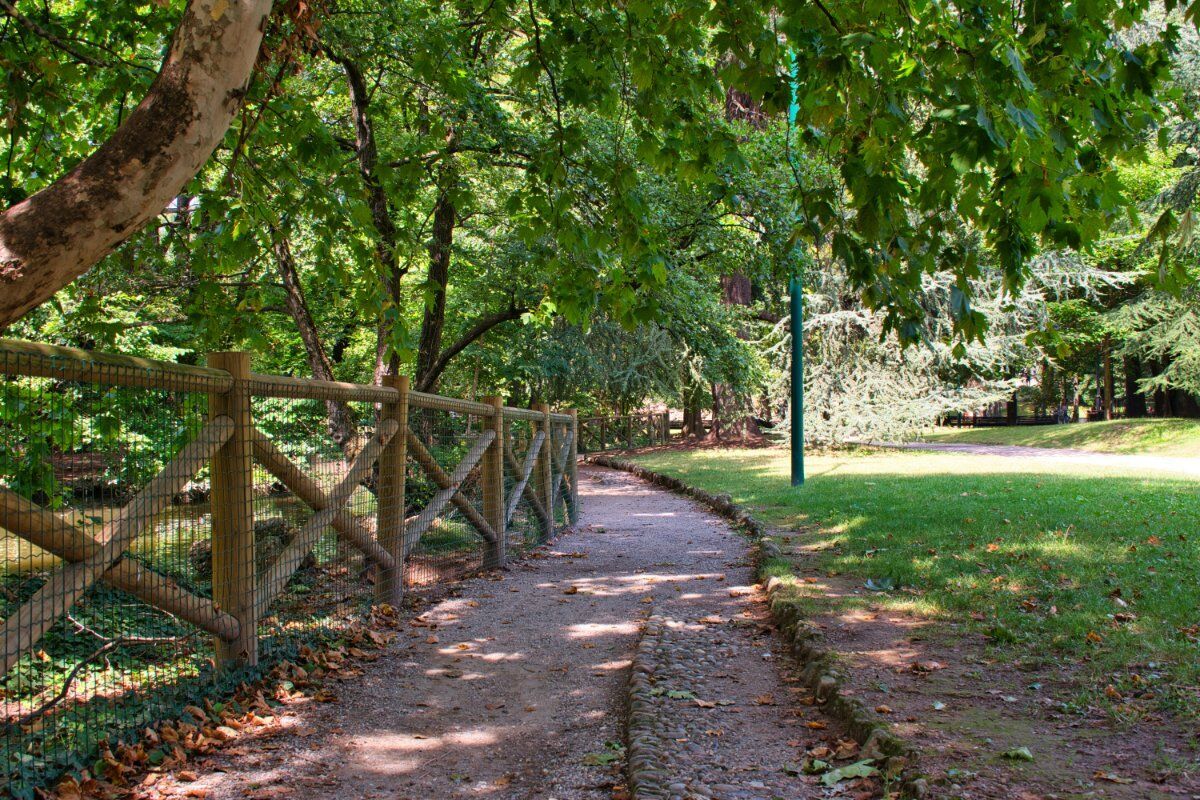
point(1098, 569)
point(1161, 437)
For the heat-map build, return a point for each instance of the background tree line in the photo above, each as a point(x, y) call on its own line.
point(601, 205)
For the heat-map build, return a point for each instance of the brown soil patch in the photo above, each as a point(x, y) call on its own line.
point(945, 690)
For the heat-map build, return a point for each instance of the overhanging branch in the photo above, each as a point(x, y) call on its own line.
point(477, 330)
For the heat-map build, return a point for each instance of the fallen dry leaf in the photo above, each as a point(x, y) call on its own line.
point(1110, 777)
point(846, 748)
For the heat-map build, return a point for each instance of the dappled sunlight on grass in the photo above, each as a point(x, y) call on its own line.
point(1165, 437)
point(1099, 563)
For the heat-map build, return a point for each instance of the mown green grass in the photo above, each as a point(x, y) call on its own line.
point(1163, 437)
point(1038, 553)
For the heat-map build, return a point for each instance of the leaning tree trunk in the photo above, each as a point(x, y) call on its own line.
point(387, 362)
point(340, 421)
point(441, 246)
point(55, 235)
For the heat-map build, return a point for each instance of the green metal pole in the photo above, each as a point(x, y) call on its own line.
point(797, 304)
point(796, 287)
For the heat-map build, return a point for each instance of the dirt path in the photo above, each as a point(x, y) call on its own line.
point(510, 688)
point(1176, 465)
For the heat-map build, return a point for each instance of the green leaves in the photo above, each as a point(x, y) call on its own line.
point(859, 769)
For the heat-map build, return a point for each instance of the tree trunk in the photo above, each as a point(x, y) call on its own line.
point(1184, 404)
point(440, 250)
point(381, 211)
point(1162, 403)
point(1108, 380)
point(481, 326)
point(55, 235)
point(343, 428)
point(1135, 399)
point(731, 414)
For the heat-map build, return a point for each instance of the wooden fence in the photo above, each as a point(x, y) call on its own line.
point(645, 429)
point(997, 420)
point(378, 507)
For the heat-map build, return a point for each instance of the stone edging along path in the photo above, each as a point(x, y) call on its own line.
point(819, 669)
point(644, 757)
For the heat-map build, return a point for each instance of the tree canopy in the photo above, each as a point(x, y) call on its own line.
point(404, 183)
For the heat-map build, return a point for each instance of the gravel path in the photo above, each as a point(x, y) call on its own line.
point(510, 688)
point(713, 714)
point(1179, 466)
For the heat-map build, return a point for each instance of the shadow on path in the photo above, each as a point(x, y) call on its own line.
point(505, 689)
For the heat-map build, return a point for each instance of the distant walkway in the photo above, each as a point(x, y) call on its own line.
point(1179, 467)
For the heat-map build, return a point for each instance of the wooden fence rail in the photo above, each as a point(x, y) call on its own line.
point(544, 478)
point(624, 432)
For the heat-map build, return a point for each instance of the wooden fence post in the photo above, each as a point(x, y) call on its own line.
point(629, 432)
point(572, 467)
point(545, 466)
point(233, 581)
point(389, 588)
point(603, 434)
point(666, 427)
point(493, 484)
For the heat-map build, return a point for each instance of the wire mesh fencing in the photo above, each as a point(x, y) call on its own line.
point(167, 529)
point(624, 432)
point(445, 451)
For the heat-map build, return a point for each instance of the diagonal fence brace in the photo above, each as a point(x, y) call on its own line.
point(55, 535)
point(417, 527)
point(526, 470)
point(26, 626)
point(527, 490)
point(560, 463)
point(311, 494)
point(434, 470)
point(276, 576)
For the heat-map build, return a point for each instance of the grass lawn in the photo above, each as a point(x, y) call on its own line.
point(1163, 437)
point(1088, 565)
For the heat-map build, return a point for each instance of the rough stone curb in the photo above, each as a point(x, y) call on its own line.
point(644, 751)
point(819, 668)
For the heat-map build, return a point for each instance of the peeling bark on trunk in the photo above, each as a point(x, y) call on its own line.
point(57, 234)
point(731, 414)
point(343, 428)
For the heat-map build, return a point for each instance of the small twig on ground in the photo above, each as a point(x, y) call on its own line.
point(103, 650)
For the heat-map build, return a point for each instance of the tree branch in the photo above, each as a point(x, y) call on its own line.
point(39, 31)
point(477, 330)
point(54, 235)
